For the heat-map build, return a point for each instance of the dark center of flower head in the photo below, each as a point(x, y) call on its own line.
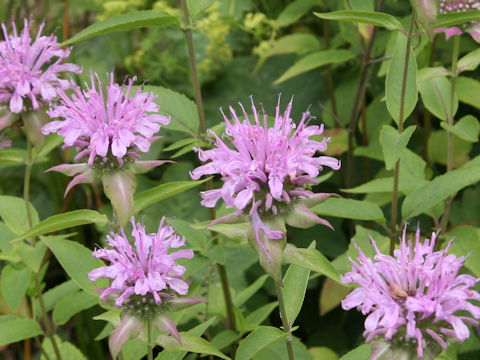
point(110, 162)
point(449, 6)
point(402, 343)
point(144, 307)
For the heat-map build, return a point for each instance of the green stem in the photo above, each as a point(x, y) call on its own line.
point(26, 196)
point(149, 340)
point(450, 155)
point(26, 186)
point(231, 323)
point(283, 315)
point(396, 172)
point(363, 78)
point(193, 68)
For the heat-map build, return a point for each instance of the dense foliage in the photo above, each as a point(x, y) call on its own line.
point(267, 142)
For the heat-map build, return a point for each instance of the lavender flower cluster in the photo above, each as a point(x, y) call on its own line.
point(413, 297)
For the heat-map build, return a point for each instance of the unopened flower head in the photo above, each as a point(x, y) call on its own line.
point(145, 273)
point(413, 298)
point(264, 169)
point(449, 6)
point(109, 130)
point(30, 68)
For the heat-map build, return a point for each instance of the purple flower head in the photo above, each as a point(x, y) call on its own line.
point(30, 68)
point(413, 298)
point(265, 169)
point(110, 129)
point(473, 28)
point(147, 269)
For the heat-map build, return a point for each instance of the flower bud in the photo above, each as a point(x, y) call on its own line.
point(427, 15)
point(269, 242)
point(119, 187)
point(32, 124)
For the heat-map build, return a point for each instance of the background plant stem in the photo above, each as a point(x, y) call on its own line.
point(149, 340)
point(231, 323)
point(396, 171)
point(26, 196)
point(450, 154)
point(283, 315)
point(363, 78)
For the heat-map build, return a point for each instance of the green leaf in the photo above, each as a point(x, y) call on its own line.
point(466, 128)
point(294, 288)
point(51, 142)
point(248, 292)
point(468, 91)
point(77, 261)
point(393, 143)
point(52, 296)
point(236, 231)
point(11, 157)
point(469, 62)
point(14, 214)
point(216, 253)
point(331, 295)
point(64, 221)
point(197, 330)
point(436, 93)
point(147, 18)
point(466, 241)
point(191, 343)
point(15, 329)
point(387, 21)
point(394, 81)
point(258, 340)
point(294, 11)
point(429, 73)
point(297, 43)
point(349, 209)
point(161, 192)
point(67, 350)
point(360, 352)
point(71, 305)
point(14, 283)
point(32, 256)
point(315, 60)
point(438, 190)
point(323, 353)
point(181, 143)
point(183, 112)
point(310, 259)
point(224, 339)
point(438, 151)
point(257, 316)
point(457, 18)
point(385, 185)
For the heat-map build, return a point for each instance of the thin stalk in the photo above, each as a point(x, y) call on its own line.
point(193, 67)
point(427, 123)
point(283, 315)
point(38, 285)
point(26, 185)
point(396, 172)
point(66, 20)
point(448, 201)
point(149, 340)
point(363, 78)
point(331, 87)
point(231, 323)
